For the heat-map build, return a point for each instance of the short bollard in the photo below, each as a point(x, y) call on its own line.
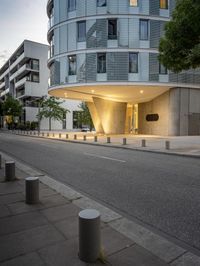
point(0, 161)
point(34, 133)
point(95, 139)
point(143, 142)
point(42, 134)
point(84, 137)
point(67, 136)
point(89, 235)
point(30, 132)
point(10, 171)
point(108, 140)
point(167, 145)
point(47, 134)
point(53, 135)
point(60, 136)
point(32, 190)
point(75, 137)
point(124, 141)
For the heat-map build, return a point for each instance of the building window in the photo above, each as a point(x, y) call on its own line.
point(35, 78)
point(162, 69)
point(133, 2)
point(144, 29)
point(35, 64)
point(101, 63)
point(164, 4)
point(133, 62)
point(152, 117)
point(71, 5)
point(52, 42)
point(112, 29)
point(81, 29)
point(101, 3)
point(72, 64)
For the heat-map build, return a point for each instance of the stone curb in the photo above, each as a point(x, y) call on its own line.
point(117, 147)
point(157, 245)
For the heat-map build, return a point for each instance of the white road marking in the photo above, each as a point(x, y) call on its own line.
point(104, 157)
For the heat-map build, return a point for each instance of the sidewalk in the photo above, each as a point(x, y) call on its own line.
point(181, 145)
point(47, 233)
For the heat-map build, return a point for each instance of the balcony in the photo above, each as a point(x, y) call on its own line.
point(5, 73)
point(5, 92)
point(2, 85)
point(17, 61)
point(20, 93)
point(20, 82)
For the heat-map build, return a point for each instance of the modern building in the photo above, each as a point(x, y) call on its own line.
point(105, 52)
point(25, 76)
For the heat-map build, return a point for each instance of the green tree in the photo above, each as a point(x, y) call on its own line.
point(51, 109)
point(11, 108)
point(85, 116)
point(180, 47)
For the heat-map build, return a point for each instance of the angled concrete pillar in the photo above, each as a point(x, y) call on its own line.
point(95, 117)
point(112, 115)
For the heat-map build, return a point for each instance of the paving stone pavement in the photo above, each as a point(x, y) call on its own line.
point(47, 233)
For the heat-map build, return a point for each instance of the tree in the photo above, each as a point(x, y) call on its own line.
point(85, 116)
point(180, 47)
point(11, 108)
point(51, 109)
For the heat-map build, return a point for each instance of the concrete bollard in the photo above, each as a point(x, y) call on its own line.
point(53, 135)
point(89, 235)
point(47, 135)
point(10, 171)
point(75, 137)
point(67, 136)
point(84, 137)
point(95, 139)
point(59, 135)
point(32, 190)
point(30, 132)
point(108, 140)
point(34, 133)
point(124, 141)
point(0, 161)
point(143, 142)
point(167, 145)
point(42, 134)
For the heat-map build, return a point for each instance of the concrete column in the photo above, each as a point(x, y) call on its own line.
point(174, 112)
point(89, 235)
point(10, 171)
point(95, 117)
point(112, 115)
point(32, 190)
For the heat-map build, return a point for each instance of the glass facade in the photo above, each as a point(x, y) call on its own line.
point(72, 64)
point(144, 29)
point(101, 63)
point(81, 28)
point(133, 62)
point(164, 4)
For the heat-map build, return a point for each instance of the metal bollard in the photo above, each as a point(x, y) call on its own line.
point(34, 133)
point(167, 145)
point(32, 190)
point(53, 135)
point(95, 139)
point(47, 134)
point(75, 137)
point(84, 137)
point(42, 134)
point(10, 171)
point(0, 161)
point(124, 141)
point(60, 136)
point(89, 235)
point(143, 143)
point(30, 132)
point(67, 136)
point(108, 140)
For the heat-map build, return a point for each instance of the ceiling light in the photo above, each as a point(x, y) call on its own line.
point(141, 92)
point(92, 91)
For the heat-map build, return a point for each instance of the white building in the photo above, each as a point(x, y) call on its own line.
point(25, 76)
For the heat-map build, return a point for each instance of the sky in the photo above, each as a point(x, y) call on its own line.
point(20, 20)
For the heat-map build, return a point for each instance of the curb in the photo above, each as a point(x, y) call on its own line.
point(117, 147)
point(157, 245)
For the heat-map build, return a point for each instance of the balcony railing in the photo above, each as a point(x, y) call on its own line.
point(2, 85)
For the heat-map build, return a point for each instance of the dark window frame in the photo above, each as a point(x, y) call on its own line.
point(152, 117)
point(101, 5)
point(101, 68)
point(140, 32)
point(130, 68)
point(112, 35)
point(81, 38)
point(166, 4)
point(70, 6)
point(72, 72)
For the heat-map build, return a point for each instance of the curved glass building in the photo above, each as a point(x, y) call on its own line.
point(105, 52)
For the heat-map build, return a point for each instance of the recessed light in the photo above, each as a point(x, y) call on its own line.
point(66, 95)
point(92, 91)
point(141, 91)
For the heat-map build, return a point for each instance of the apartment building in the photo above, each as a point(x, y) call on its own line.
point(105, 52)
point(25, 76)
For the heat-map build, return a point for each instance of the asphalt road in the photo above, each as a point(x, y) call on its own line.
point(160, 191)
